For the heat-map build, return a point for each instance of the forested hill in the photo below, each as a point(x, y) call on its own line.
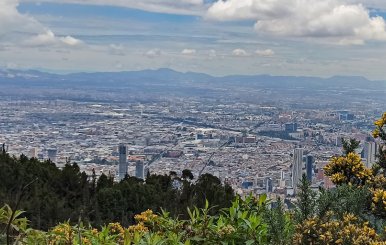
point(57, 195)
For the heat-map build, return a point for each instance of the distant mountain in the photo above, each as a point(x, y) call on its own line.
point(168, 77)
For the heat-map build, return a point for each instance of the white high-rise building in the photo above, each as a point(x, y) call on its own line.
point(122, 167)
point(370, 153)
point(297, 167)
point(33, 152)
point(268, 185)
point(140, 170)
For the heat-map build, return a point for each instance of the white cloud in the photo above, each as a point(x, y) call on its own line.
point(265, 52)
point(188, 51)
point(15, 26)
point(196, 7)
point(152, 53)
point(12, 21)
point(71, 41)
point(304, 18)
point(44, 39)
point(239, 52)
point(48, 38)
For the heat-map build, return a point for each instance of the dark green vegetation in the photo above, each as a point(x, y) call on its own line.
point(342, 213)
point(57, 195)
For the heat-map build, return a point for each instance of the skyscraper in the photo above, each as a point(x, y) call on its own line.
point(140, 170)
point(370, 153)
point(282, 179)
point(122, 168)
point(297, 168)
point(33, 152)
point(309, 167)
point(268, 185)
point(52, 154)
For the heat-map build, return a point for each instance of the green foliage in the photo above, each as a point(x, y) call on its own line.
point(187, 174)
point(242, 223)
point(280, 224)
point(306, 201)
point(349, 146)
point(12, 222)
point(345, 199)
point(68, 194)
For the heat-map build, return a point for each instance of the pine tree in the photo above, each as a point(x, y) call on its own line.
point(306, 201)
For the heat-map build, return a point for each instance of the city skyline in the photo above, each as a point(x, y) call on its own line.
point(309, 38)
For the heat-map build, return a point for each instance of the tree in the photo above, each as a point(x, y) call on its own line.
point(104, 182)
point(380, 133)
point(209, 188)
point(349, 146)
point(306, 201)
point(187, 174)
point(280, 225)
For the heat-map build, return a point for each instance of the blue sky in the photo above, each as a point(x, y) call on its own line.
point(301, 37)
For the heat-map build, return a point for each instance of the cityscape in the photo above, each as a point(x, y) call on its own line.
point(257, 146)
point(192, 122)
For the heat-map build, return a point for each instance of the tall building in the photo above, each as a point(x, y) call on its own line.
point(338, 141)
point(140, 170)
point(282, 179)
point(291, 127)
point(268, 185)
point(309, 167)
point(297, 167)
point(33, 152)
point(52, 154)
point(370, 153)
point(122, 167)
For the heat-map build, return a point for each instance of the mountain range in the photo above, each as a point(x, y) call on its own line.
point(167, 84)
point(168, 77)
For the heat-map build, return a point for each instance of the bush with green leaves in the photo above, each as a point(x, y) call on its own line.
point(247, 221)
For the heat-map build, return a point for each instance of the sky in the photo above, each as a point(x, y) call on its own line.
point(218, 37)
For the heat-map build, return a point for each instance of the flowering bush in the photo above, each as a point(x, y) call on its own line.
point(379, 132)
point(328, 230)
point(348, 170)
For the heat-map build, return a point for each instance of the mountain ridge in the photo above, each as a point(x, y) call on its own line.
point(166, 76)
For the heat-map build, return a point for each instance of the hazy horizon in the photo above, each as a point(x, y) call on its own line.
point(63, 73)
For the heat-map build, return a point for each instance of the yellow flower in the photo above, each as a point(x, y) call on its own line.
point(327, 230)
point(146, 216)
point(140, 227)
point(348, 169)
point(376, 133)
point(116, 228)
